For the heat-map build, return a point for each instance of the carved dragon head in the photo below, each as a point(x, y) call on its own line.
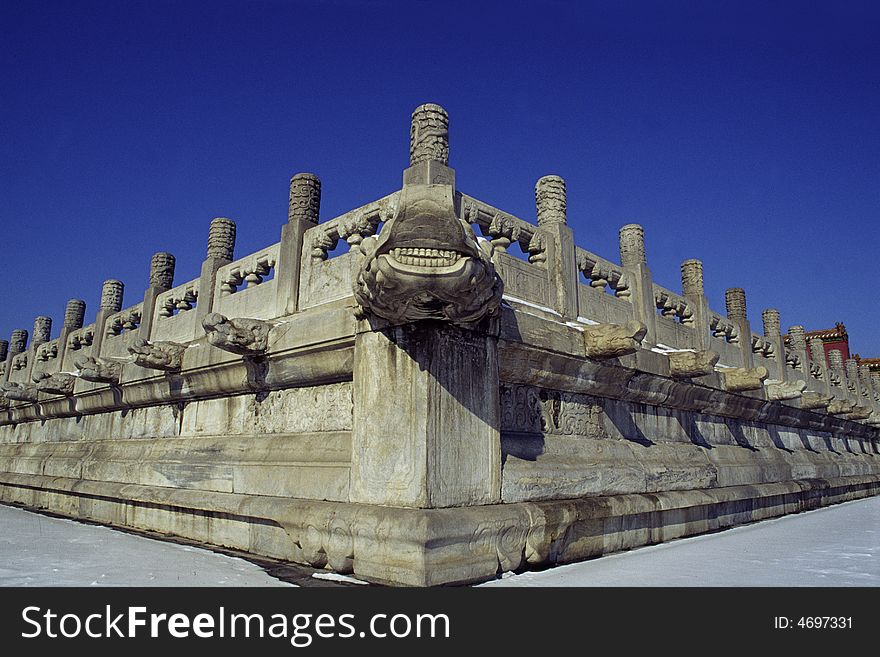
point(427, 264)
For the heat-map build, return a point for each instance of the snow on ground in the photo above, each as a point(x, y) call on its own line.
point(37, 550)
point(833, 546)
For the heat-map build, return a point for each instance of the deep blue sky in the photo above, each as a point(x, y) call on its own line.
point(747, 135)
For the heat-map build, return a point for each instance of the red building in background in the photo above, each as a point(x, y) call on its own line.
point(835, 338)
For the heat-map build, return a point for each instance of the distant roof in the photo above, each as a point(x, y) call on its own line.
point(835, 334)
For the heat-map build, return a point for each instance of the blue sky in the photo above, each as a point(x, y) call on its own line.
point(744, 134)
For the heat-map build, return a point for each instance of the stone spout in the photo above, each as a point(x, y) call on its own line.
point(98, 370)
point(242, 335)
point(814, 400)
point(740, 379)
point(613, 340)
point(55, 384)
point(26, 392)
point(165, 356)
point(841, 407)
point(860, 413)
point(690, 364)
point(787, 390)
point(427, 264)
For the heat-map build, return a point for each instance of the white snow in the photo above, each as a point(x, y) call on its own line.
point(37, 550)
point(336, 577)
point(834, 546)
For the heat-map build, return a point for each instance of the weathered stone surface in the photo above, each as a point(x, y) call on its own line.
point(815, 400)
point(735, 300)
point(613, 340)
point(221, 239)
point(445, 434)
point(42, 330)
point(860, 413)
point(632, 245)
point(305, 198)
point(427, 264)
point(550, 199)
point(771, 320)
point(426, 426)
point(111, 295)
point(25, 392)
point(243, 335)
point(4, 349)
point(166, 356)
point(841, 407)
point(74, 314)
point(18, 341)
point(689, 364)
point(692, 277)
point(55, 384)
point(162, 270)
point(429, 135)
point(740, 379)
point(98, 370)
point(787, 390)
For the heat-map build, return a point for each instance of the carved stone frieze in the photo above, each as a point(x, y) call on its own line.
point(98, 370)
point(690, 364)
point(613, 340)
point(281, 411)
point(740, 379)
point(165, 356)
point(60, 383)
point(529, 409)
point(427, 264)
point(242, 335)
point(787, 390)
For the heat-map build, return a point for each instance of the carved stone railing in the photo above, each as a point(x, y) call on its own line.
point(504, 229)
point(242, 288)
point(128, 319)
point(723, 329)
point(175, 316)
point(602, 274)
point(352, 227)
point(673, 306)
point(120, 330)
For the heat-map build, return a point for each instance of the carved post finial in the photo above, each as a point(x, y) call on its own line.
point(550, 200)
point(221, 239)
point(817, 351)
point(735, 300)
point(692, 277)
point(162, 270)
point(111, 295)
point(305, 198)
point(18, 341)
point(797, 337)
point(835, 359)
point(852, 370)
point(4, 350)
point(429, 135)
point(632, 245)
point(74, 314)
point(42, 330)
point(865, 378)
point(770, 318)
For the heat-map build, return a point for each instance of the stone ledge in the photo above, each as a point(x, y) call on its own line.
point(426, 547)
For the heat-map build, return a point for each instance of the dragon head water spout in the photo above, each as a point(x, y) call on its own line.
point(427, 264)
